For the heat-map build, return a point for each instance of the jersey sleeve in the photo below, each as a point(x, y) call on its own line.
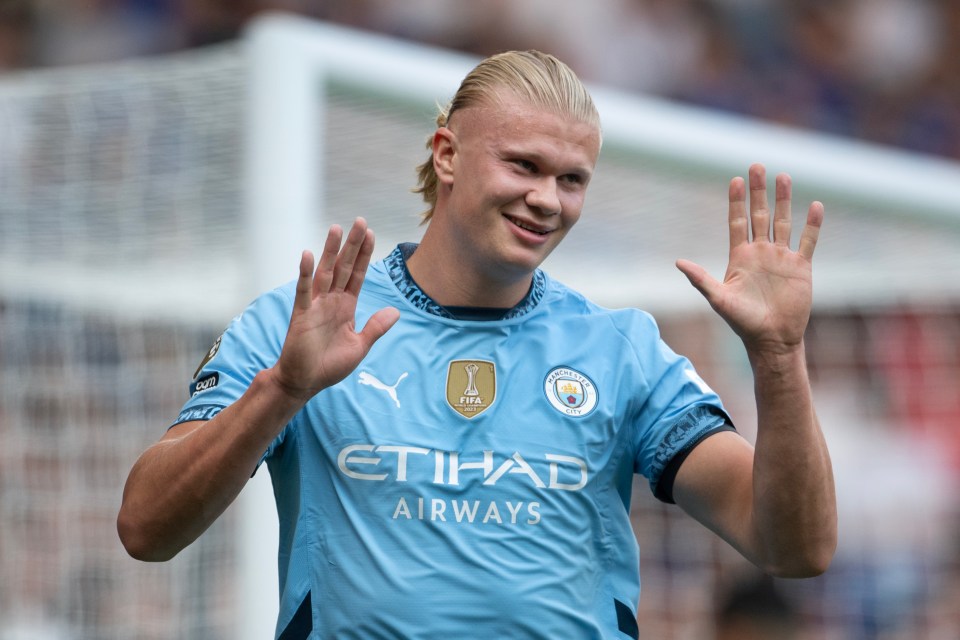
point(250, 344)
point(674, 409)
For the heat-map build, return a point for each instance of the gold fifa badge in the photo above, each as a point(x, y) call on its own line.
point(471, 386)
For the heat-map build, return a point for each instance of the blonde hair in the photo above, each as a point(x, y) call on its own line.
point(537, 77)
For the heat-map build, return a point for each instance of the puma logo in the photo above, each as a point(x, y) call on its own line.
point(369, 379)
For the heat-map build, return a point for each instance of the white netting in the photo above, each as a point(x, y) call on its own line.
point(127, 176)
point(119, 216)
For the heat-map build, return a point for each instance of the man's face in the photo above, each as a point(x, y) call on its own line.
point(518, 177)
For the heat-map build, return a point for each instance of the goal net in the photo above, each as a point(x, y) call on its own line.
point(144, 203)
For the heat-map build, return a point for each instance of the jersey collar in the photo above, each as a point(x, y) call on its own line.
point(396, 264)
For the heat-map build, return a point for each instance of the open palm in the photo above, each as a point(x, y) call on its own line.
point(322, 345)
point(766, 293)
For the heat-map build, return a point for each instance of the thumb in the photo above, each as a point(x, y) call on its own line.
point(702, 281)
point(378, 324)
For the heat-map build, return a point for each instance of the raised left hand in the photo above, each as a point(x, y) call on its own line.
point(766, 293)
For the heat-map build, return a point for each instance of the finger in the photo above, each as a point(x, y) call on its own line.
point(348, 254)
point(363, 261)
point(737, 217)
point(781, 211)
point(378, 324)
point(323, 278)
point(811, 231)
point(702, 281)
point(304, 289)
point(759, 210)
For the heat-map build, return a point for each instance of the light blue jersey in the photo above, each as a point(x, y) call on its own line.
point(470, 478)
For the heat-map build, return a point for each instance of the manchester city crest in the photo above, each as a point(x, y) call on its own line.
point(570, 392)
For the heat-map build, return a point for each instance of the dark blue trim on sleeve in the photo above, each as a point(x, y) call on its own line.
point(701, 422)
point(199, 412)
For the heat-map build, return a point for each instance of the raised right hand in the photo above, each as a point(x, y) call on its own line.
point(322, 346)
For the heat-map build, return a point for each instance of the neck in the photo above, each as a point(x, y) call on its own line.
point(454, 280)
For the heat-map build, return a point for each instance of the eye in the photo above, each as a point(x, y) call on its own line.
point(573, 179)
point(526, 165)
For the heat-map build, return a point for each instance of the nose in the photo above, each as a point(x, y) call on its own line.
point(543, 196)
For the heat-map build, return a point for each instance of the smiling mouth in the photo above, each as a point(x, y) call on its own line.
point(526, 227)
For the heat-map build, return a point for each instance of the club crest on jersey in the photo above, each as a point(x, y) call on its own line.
point(570, 392)
point(471, 386)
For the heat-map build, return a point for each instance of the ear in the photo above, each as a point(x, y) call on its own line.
point(444, 150)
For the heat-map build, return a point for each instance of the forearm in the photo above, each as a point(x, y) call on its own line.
point(794, 500)
point(183, 483)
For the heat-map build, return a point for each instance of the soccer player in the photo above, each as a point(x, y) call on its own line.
point(461, 465)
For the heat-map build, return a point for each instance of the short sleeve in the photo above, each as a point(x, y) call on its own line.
point(251, 343)
point(674, 408)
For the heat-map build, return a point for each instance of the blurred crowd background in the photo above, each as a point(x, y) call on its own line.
point(886, 71)
point(882, 71)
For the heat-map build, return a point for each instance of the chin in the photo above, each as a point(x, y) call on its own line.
point(524, 263)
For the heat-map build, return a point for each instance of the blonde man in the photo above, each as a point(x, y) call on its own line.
point(461, 466)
